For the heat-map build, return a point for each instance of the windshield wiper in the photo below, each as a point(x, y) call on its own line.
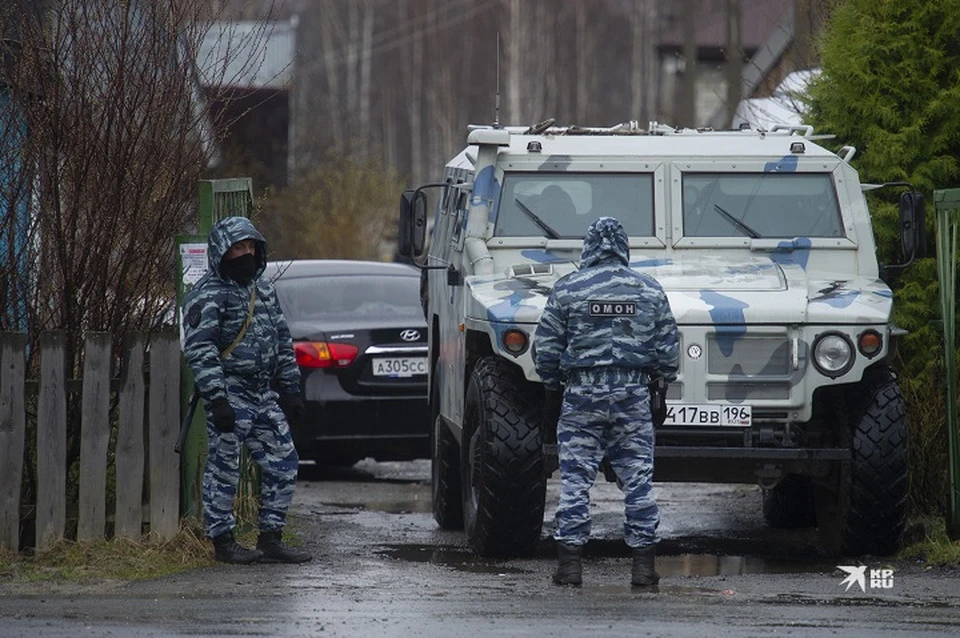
point(743, 228)
point(551, 233)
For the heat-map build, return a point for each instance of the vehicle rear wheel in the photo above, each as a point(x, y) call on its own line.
point(444, 466)
point(789, 504)
point(866, 514)
point(502, 460)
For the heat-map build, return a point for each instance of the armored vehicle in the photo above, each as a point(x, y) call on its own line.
point(764, 244)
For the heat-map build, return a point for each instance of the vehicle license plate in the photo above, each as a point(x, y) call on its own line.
point(708, 414)
point(400, 366)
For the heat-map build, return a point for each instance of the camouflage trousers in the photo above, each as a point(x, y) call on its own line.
point(612, 419)
point(262, 428)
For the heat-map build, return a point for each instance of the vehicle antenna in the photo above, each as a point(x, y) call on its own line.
point(496, 104)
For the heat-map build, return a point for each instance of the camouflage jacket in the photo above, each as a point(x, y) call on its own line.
point(606, 315)
point(215, 310)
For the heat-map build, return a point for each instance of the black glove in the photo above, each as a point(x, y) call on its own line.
point(292, 406)
point(222, 416)
point(552, 406)
point(658, 401)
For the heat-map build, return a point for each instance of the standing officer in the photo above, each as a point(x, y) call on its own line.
point(605, 333)
point(236, 342)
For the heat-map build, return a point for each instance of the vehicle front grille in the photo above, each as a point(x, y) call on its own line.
point(750, 391)
point(743, 355)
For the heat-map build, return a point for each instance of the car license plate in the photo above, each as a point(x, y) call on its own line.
point(399, 366)
point(708, 414)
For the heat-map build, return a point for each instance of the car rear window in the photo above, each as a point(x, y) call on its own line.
point(349, 296)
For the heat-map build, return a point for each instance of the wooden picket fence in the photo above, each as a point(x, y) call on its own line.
point(147, 427)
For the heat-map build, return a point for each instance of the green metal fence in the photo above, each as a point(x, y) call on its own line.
point(948, 221)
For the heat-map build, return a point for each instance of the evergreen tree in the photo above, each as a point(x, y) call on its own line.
point(891, 87)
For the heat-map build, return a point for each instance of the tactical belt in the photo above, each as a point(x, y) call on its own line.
point(607, 375)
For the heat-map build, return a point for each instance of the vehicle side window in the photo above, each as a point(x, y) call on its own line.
point(458, 203)
point(443, 228)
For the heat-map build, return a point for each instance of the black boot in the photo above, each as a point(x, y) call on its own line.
point(569, 568)
point(644, 572)
point(227, 550)
point(275, 551)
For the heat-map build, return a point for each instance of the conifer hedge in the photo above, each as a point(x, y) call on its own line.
point(890, 86)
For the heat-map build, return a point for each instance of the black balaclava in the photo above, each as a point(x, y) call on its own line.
point(241, 269)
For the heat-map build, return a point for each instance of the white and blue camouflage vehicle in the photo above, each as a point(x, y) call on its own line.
point(764, 245)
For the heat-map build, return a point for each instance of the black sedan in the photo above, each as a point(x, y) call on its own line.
point(361, 344)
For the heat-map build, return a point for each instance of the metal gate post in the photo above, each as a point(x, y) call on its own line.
point(218, 198)
point(948, 221)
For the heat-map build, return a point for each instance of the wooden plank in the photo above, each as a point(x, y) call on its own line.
point(129, 452)
point(13, 363)
point(51, 441)
point(94, 436)
point(163, 428)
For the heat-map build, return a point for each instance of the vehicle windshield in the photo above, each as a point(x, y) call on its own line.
point(360, 296)
point(562, 205)
point(760, 205)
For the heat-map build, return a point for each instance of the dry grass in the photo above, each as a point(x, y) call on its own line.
point(936, 548)
point(118, 559)
point(927, 446)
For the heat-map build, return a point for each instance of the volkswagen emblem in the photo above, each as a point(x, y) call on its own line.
point(410, 335)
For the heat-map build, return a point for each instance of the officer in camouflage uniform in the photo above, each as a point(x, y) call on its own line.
point(242, 407)
point(605, 333)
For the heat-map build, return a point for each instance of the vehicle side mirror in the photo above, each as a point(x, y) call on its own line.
point(913, 227)
point(412, 230)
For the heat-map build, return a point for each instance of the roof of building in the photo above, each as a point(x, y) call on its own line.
point(758, 19)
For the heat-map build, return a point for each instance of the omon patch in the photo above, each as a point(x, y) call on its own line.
point(612, 308)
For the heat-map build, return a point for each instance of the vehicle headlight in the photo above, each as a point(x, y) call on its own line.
point(833, 354)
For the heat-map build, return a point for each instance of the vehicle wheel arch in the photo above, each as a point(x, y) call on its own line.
point(477, 346)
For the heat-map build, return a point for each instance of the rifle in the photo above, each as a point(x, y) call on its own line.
point(192, 408)
point(187, 420)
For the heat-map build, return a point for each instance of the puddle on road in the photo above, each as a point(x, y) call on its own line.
point(720, 565)
point(667, 566)
point(672, 590)
point(459, 559)
point(388, 507)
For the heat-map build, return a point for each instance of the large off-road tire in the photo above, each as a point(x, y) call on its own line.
point(789, 504)
point(866, 514)
point(504, 486)
point(445, 466)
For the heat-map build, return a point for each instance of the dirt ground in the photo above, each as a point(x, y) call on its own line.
point(383, 568)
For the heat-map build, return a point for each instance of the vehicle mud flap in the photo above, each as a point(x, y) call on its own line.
point(504, 485)
point(867, 512)
point(444, 467)
point(790, 504)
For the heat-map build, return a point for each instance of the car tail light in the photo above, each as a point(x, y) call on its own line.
point(319, 354)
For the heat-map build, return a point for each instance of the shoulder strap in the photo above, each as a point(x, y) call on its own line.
point(243, 329)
